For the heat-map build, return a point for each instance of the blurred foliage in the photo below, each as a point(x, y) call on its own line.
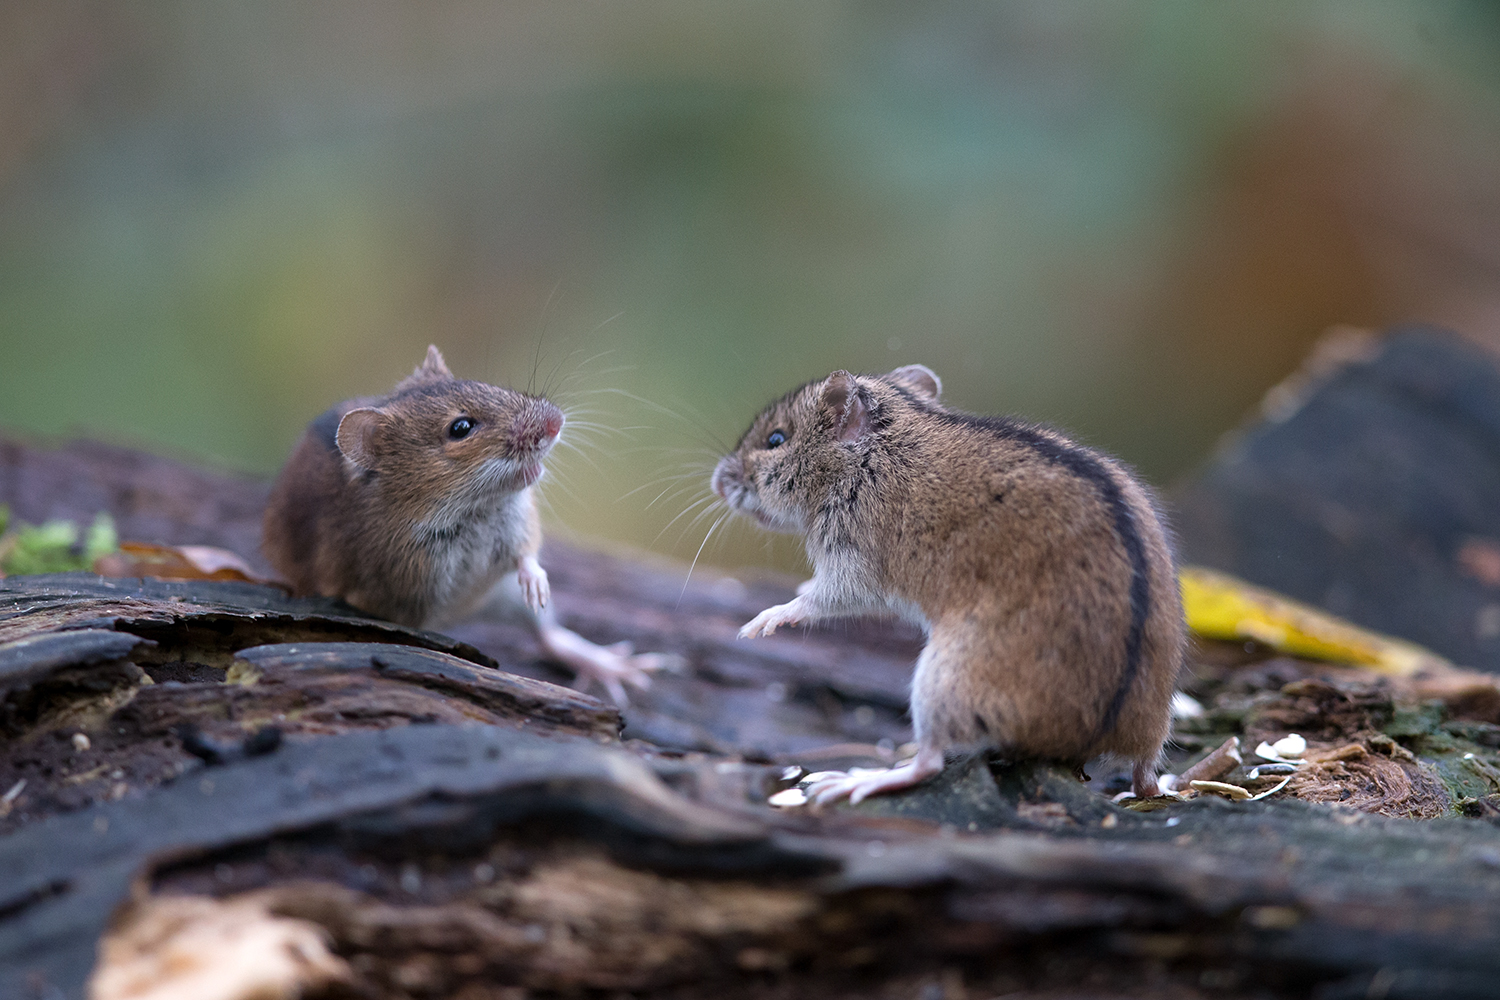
point(54, 547)
point(1126, 218)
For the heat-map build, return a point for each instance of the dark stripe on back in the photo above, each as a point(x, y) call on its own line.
point(1086, 465)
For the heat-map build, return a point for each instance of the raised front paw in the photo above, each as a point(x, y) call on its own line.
point(769, 620)
point(534, 586)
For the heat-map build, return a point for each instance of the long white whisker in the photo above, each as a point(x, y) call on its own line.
point(671, 479)
point(676, 489)
point(697, 520)
point(581, 454)
point(694, 564)
point(679, 517)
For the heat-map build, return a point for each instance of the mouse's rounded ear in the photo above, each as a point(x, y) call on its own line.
point(356, 436)
point(841, 398)
point(919, 380)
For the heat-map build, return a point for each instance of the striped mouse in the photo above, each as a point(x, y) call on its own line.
point(1039, 568)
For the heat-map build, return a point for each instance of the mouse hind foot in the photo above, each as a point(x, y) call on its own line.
point(611, 667)
point(859, 785)
point(1143, 780)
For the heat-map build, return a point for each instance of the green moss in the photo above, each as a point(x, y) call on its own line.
point(55, 547)
point(1412, 721)
point(1468, 768)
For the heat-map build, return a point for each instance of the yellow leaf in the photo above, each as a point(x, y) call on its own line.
point(1219, 606)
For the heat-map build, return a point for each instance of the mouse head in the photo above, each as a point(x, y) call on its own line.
point(455, 442)
point(801, 447)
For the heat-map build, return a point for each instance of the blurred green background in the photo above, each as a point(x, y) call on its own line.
point(1128, 218)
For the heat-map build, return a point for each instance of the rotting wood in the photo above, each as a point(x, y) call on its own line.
point(570, 859)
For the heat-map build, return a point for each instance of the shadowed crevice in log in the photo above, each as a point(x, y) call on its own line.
point(35, 657)
point(507, 695)
point(226, 616)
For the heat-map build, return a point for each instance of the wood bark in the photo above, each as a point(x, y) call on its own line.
point(211, 765)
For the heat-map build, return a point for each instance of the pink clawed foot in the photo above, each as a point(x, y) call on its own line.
point(859, 785)
point(534, 585)
point(611, 667)
point(769, 620)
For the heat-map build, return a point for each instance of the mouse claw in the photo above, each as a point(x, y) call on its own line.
point(769, 620)
point(613, 675)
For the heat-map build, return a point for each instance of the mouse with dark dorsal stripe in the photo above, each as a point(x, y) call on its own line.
point(417, 506)
point(1040, 569)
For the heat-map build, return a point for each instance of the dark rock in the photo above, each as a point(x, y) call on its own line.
point(1371, 488)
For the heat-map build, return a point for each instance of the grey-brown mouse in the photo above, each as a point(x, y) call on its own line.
point(417, 506)
point(1040, 568)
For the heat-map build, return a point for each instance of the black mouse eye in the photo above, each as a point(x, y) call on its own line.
point(460, 428)
point(776, 440)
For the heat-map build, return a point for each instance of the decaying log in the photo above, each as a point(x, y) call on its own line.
point(200, 770)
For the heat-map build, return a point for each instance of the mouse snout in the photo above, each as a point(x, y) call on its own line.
point(727, 475)
point(537, 426)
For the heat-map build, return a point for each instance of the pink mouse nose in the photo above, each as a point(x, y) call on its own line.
point(552, 424)
point(538, 426)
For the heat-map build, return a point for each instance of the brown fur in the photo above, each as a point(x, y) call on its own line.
point(1010, 542)
point(399, 519)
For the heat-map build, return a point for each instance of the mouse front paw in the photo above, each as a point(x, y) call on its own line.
point(535, 587)
point(769, 620)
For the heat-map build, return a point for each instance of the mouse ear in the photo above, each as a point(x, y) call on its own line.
point(356, 436)
point(841, 397)
point(919, 380)
point(432, 366)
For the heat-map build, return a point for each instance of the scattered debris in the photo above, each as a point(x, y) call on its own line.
point(8, 800)
point(1221, 788)
point(1185, 706)
point(198, 948)
point(1284, 750)
point(1387, 781)
point(1217, 764)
